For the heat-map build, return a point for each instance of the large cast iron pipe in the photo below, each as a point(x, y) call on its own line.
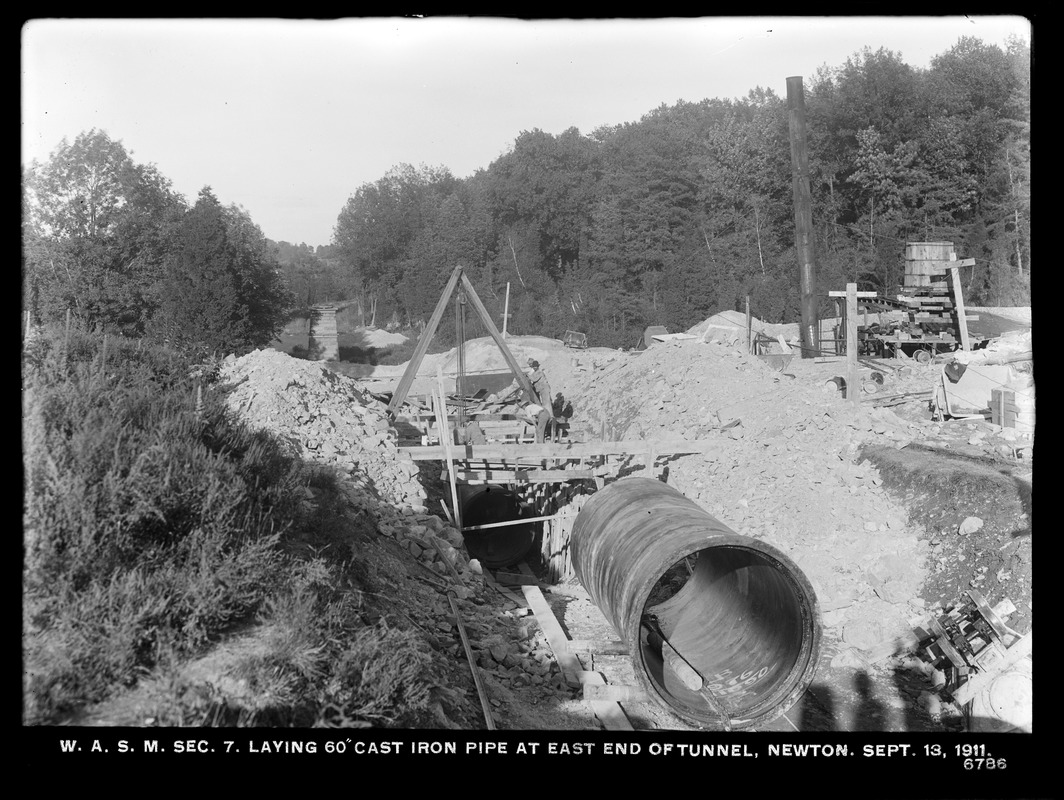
point(746, 620)
point(495, 547)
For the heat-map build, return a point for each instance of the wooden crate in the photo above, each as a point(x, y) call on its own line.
point(926, 264)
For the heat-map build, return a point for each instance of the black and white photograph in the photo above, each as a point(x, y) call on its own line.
point(485, 387)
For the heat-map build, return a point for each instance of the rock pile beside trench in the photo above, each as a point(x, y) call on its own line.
point(329, 420)
point(787, 471)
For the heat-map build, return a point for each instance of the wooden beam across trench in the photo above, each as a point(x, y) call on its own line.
point(556, 450)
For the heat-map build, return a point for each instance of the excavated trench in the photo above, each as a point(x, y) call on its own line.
point(496, 547)
point(724, 630)
point(941, 490)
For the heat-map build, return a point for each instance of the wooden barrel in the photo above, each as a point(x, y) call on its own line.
point(926, 264)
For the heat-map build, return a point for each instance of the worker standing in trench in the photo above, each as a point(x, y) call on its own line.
point(541, 398)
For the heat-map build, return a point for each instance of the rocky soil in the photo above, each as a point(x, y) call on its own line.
point(829, 482)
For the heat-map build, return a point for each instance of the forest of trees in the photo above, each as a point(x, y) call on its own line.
point(666, 220)
point(109, 240)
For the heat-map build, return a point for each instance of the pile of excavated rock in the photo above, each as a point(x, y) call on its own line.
point(785, 469)
point(329, 420)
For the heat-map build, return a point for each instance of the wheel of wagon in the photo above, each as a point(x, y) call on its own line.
point(922, 356)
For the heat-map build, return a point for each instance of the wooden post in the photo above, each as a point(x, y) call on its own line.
point(506, 310)
point(445, 442)
point(496, 337)
point(749, 328)
point(840, 309)
point(803, 214)
point(958, 299)
point(853, 389)
point(459, 316)
point(423, 343)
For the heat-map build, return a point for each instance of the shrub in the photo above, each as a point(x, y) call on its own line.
point(151, 521)
point(379, 678)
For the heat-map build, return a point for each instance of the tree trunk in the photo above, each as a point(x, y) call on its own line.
point(757, 230)
point(1015, 214)
point(513, 252)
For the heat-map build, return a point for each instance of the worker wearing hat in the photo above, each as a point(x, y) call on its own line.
point(541, 398)
point(539, 384)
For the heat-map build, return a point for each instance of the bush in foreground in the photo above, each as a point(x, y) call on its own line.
point(153, 524)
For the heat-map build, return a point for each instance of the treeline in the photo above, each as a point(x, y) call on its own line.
point(109, 241)
point(688, 211)
point(666, 221)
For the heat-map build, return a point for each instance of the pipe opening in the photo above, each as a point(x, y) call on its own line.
point(743, 621)
point(495, 547)
point(724, 629)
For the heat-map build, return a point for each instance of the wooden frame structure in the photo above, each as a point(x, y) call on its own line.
point(457, 280)
point(508, 463)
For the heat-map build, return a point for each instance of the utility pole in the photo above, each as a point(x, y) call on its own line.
point(803, 217)
point(459, 315)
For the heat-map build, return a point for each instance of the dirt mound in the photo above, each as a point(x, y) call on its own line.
point(375, 337)
point(788, 472)
point(484, 356)
point(730, 327)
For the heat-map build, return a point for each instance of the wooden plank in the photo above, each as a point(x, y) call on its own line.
point(610, 714)
point(600, 647)
point(506, 523)
point(846, 293)
point(441, 410)
point(559, 643)
point(614, 693)
point(509, 579)
point(522, 476)
point(942, 640)
point(490, 425)
point(505, 591)
point(423, 344)
point(550, 450)
point(958, 295)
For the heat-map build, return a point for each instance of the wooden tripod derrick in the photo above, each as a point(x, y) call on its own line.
point(457, 278)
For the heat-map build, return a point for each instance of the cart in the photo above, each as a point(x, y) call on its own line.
point(575, 339)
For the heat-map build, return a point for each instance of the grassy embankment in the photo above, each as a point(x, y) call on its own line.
point(155, 525)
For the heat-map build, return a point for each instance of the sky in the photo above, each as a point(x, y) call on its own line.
point(288, 118)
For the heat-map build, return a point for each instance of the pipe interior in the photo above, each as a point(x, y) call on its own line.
point(740, 620)
point(495, 547)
